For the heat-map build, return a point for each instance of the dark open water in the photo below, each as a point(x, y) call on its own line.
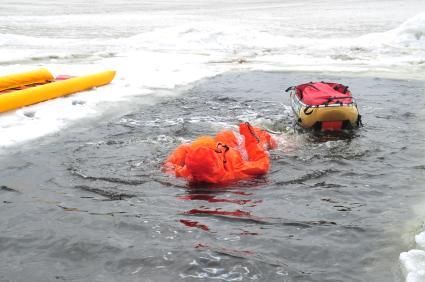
point(90, 203)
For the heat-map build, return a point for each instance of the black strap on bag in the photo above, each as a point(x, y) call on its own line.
point(290, 88)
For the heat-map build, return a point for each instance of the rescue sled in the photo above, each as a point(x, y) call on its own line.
point(24, 89)
point(324, 106)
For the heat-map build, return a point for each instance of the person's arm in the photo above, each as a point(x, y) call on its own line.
point(176, 161)
point(258, 158)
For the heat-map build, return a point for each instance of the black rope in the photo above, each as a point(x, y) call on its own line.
point(306, 111)
point(218, 150)
point(219, 146)
point(252, 132)
point(337, 97)
point(359, 121)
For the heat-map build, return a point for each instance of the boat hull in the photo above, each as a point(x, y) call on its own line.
point(21, 98)
point(25, 78)
point(325, 117)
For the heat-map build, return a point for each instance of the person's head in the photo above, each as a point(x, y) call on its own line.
point(227, 137)
point(206, 141)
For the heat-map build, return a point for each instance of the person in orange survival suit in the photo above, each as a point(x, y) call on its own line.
point(227, 157)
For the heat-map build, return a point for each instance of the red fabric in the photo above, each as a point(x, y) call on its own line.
point(331, 125)
point(63, 77)
point(226, 161)
point(318, 93)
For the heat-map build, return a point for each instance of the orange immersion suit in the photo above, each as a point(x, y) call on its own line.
point(225, 158)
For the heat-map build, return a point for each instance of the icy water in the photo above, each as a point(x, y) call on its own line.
point(167, 44)
point(82, 197)
point(90, 203)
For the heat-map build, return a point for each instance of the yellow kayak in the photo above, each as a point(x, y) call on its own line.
point(24, 89)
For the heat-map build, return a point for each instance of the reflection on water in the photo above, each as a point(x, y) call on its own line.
point(214, 199)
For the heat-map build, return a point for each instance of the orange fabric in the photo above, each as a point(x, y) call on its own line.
point(206, 141)
point(266, 140)
point(221, 159)
point(227, 137)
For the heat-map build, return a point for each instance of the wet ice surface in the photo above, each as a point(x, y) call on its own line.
point(90, 203)
point(163, 44)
